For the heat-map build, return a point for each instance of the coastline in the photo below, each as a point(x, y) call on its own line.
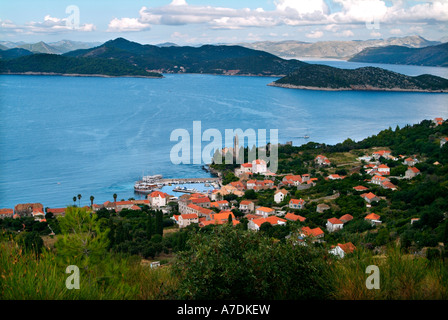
point(32, 73)
point(354, 88)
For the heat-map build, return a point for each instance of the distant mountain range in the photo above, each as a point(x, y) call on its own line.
point(333, 49)
point(58, 47)
point(121, 57)
point(322, 77)
point(428, 56)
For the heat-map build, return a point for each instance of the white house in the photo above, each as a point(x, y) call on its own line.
point(158, 199)
point(264, 211)
point(255, 224)
point(185, 220)
point(280, 195)
point(259, 166)
point(334, 224)
point(342, 249)
point(411, 172)
point(247, 206)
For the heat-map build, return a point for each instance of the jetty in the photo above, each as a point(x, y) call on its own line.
point(149, 184)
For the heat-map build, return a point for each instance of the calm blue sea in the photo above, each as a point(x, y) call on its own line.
point(63, 136)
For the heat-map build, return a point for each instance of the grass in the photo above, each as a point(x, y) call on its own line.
point(402, 277)
point(23, 275)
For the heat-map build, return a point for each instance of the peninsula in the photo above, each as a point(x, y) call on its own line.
point(322, 77)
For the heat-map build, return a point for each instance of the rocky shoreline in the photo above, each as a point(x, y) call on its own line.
point(353, 88)
point(31, 73)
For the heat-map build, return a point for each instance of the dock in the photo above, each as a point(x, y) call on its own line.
point(148, 185)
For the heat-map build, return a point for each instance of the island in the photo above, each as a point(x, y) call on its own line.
point(435, 56)
point(322, 77)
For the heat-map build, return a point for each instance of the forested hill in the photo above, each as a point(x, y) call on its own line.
point(428, 56)
point(323, 77)
point(61, 65)
point(210, 59)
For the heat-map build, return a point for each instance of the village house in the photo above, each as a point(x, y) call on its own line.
point(158, 199)
point(373, 218)
point(221, 205)
point(411, 172)
point(379, 180)
point(293, 180)
point(383, 169)
point(389, 185)
point(6, 213)
point(259, 184)
point(255, 224)
point(322, 207)
point(334, 224)
point(370, 197)
point(280, 195)
point(264, 211)
point(184, 220)
point(314, 235)
point(381, 153)
point(322, 160)
point(27, 209)
point(437, 121)
point(198, 210)
point(342, 249)
point(410, 161)
point(56, 211)
point(296, 203)
point(294, 217)
point(109, 205)
point(188, 199)
point(335, 177)
point(38, 214)
point(259, 166)
point(443, 141)
point(221, 217)
point(360, 188)
point(346, 218)
point(120, 205)
point(246, 206)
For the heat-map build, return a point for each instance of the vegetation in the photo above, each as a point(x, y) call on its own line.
point(436, 56)
point(218, 262)
point(367, 78)
point(205, 59)
point(52, 63)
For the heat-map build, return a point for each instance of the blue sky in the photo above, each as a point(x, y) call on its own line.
point(221, 21)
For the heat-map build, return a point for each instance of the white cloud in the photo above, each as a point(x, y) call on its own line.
point(127, 25)
point(395, 31)
point(50, 25)
point(314, 34)
point(375, 34)
point(345, 34)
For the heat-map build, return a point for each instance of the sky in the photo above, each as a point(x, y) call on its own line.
point(192, 22)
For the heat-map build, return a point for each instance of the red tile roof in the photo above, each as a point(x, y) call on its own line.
point(347, 247)
point(372, 216)
point(335, 221)
point(294, 217)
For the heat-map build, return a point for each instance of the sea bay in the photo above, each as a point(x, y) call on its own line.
point(63, 136)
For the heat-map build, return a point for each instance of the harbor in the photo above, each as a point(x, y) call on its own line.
point(150, 183)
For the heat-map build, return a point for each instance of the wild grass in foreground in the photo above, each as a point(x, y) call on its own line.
point(402, 277)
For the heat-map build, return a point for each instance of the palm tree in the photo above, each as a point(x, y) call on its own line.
point(115, 197)
point(91, 201)
point(79, 198)
point(74, 201)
